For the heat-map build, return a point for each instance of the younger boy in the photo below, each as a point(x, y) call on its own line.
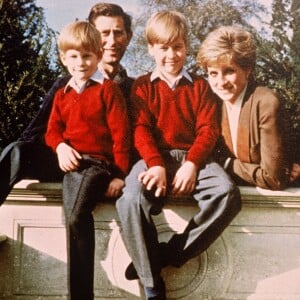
point(88, 129)
point(175, 130)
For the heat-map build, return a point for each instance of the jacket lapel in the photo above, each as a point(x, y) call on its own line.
point(226, 129)
point(243, 138)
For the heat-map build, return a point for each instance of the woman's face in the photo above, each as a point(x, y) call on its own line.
point(227, 80)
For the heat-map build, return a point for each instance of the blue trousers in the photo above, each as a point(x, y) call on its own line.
point(82, 189)
point(219, 202)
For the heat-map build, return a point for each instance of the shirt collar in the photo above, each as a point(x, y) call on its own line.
point(119, 77)
point(183, 73)
point(96, 77)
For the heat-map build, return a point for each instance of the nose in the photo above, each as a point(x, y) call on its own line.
point(110, 39)
point(171, 52)
point(222, 79)
point(80, 61)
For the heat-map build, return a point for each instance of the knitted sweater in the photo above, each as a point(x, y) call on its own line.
point(94, 122)
point(164, 119)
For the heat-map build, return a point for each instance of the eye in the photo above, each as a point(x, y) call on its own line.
point(229, 71)
point(178, 47)
point(163, 48)
point(212, 73)
point(104, 33)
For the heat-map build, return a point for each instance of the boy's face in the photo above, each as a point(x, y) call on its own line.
point(114, 38)
point(81, 64)
point(169, 58)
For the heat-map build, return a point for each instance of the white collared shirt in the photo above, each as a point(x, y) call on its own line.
point(97, 77)
point(233, 111)
point(183, 73)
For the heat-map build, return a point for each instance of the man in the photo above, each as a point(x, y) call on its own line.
point(24, 157)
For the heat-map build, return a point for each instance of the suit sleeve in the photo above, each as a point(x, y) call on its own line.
point(37, 127)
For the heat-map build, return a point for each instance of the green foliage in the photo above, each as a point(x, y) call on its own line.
point(26, 46)
point(278, 64)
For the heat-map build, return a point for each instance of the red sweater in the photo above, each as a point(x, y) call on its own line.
point(164, 119)
point(94, 122)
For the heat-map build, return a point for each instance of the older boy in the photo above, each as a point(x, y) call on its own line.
point(175, 130)
point(88, 129)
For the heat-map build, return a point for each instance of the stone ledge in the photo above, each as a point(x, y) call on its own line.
point(33, 190)
point(256, 257)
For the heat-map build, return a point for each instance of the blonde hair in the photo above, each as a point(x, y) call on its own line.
point(80, 35)
point(228, 44)
point(165, 27)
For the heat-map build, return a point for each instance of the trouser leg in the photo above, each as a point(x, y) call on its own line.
point(21, 160)
point(81, 190)
point(10, 168)
point(139, 233)
point(219, 201)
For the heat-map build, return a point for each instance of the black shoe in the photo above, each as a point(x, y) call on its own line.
point(131, 273)
point(158, 292)
point(166, 260)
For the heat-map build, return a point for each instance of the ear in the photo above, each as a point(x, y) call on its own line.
point(249, 72)
point(63, 58)
point(129, 37)
point(150, 49)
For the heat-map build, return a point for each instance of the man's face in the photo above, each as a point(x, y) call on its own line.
point(114, 38)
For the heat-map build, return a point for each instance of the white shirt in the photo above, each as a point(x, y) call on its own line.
point(233, 111)
point(97, 77)
point(183, 73)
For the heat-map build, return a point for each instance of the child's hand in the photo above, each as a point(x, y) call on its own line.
point(155, 177)
point(115, 188)
point(295, 172)
point(68, 158)
point(185, 179)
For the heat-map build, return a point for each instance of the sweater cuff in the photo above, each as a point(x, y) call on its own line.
point(156, 161)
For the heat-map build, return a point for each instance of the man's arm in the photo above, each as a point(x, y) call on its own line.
point(37, 127)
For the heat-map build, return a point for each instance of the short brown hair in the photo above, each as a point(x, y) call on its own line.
point(165, 27)
point(80, 35)
point(110, 10)
point(225, 44)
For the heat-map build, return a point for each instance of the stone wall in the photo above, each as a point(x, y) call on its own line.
point(257, 257)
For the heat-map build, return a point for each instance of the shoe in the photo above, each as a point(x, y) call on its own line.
point(3, 238)
point(131, 273)
point(158, 292)
point(166, 260)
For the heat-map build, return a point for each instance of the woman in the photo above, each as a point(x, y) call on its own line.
point(251, 146)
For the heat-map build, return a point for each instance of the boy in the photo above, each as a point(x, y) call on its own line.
point(88, 129)
point(23, 158)
point(175, 130)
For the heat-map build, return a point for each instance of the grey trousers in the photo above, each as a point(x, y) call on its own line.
point(82, 189)
point(219, 202)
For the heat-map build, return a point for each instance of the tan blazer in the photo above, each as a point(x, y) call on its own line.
point(260, 157)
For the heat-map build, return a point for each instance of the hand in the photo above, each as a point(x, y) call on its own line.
point(68, 157)
point(185, 179)
point(295, 172)
point(115, 188)
point(155, 177)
